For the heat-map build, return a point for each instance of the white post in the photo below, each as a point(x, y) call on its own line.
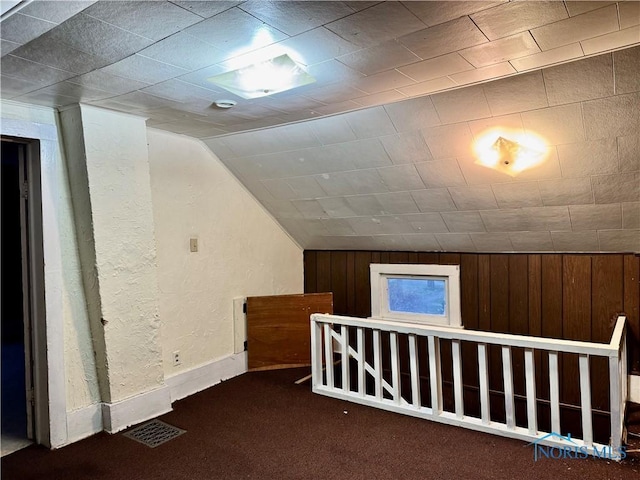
point(554, 392)
point(316, 353)
point(532, 406)
point(395, 368)
point(616, 401)
point(361, 359)
point(434, 373)
point(483, 377)
point(377, 364)
point(344, 340)
point(585, 403)
point(507, 373)
point(456, 355)
point(415, 375)
point(328, 354)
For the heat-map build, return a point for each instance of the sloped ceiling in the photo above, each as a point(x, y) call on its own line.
point(375, 153)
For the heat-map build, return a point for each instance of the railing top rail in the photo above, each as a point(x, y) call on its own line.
point(526, 341)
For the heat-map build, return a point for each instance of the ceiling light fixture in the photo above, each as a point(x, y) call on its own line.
point(223, 103)
point(510, 156)
point(264, 78)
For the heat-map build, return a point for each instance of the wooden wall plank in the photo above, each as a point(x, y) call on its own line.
point(551, 322)
point(534, 284)
point(518, 313)
point(399, 257)
point(351, 282)
point(339, 281)
point(362, 285)
point(310, 275)
point(499, 278)
point(484, 292)
point(428, 258)
point(323, 271)
point(632, 307)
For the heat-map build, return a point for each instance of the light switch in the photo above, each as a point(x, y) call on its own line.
point(193, 244)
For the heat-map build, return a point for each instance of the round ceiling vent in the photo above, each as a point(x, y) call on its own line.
point(225, 103)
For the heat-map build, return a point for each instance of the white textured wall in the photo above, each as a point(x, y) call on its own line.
point(242, 250)
point(65, 301)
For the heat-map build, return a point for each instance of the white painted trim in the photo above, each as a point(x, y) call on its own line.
point(204, 376)
point(84, 422)
point(119, 415)
point(634, 388)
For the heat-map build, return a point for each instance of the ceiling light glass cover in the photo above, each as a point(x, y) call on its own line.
point(265, 78)
point(510, 155)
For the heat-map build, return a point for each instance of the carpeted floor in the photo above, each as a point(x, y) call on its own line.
point(262, 426)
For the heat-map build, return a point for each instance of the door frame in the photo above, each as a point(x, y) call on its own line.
point(35, 312)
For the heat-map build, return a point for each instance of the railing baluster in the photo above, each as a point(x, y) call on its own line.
point(554, 392)
point(585, 400)
point(316, 353)
point(483, 378)
point(361, 360)
point(507, 374)
point(532, 404)
point(415, 374)
point(616, 402)
point(395, 368)
point(377, 364)
point(456, 356)
point(435, 375)
point(344, 340)
point(328, 354)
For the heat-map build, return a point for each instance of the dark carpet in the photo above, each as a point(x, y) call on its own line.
point(262, 426)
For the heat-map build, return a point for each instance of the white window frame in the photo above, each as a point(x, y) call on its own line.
point(380, 274)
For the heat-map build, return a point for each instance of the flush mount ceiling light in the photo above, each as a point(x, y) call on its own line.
point(265, 78)
point(510, 155)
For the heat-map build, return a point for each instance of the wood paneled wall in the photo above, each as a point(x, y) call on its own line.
point(570, 296)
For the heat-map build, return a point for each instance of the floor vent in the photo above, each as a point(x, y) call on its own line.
point(154, 433)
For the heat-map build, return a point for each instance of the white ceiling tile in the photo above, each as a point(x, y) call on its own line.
point(436, 67)
point(337, 226)
point(293, 18)
point(430, 86)
point(310, 209)
point(455, 242)
point(584, 79)
point(516, 94)
point(616, 188)
point(588, 158)
point(629, 153)
point(575, 241)
point(365, 205)
point(463, 221)
point(548, 57)
point(367, 153)
point(463, 104)
point(336, 184)
point(111, 83)
point(421, 243)
point(574, 29)
point(612, 117)
point(547, 170)
point(476, 174)
point(627, 65)
point(515, 17)
point(56, 12)
point(511, 122)
point(370, 122)
point(335, 108)
point(184, 51)
point(444, 38)
point(492, 242)
point(484, 73)
point(557, 125)
point(337, 207)
point(440, 173)
point(593, 217)
point(79, 92)
point(387, 242)
point(382, 81)
point(407, 147)
point(143, 69)
point(476, 197)
point(379, 58)
point(156, 20)
point(365, 181)
point(629, 14)
point(381, 22)
point(380, 225)
point(20, 29)
point(380, 99)
point(527, 219)
point(333, 94)
point(619, 240)
point(448, 141)
point(397, 203)
point(12, 87)
point(206, 9)
point(305, 187)
point(316, 46)
point(578, 7)
point(426, 223)
point(413, 114)
point(514, 195)
point(32, 72)
point(569, 191)
point(631, 215)
point(280, 189)
point(178, 90)
point(332, 130)
point(434, 200)
point(401, 178)
point(623, 38)
point(508, 48)
point(531, 241)
point(7, 47)
point(46, 99)
point(436, 12)
point(331, 72)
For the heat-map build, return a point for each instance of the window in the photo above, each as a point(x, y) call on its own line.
point(428, 294)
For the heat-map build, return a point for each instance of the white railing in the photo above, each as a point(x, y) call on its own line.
point(331, 346)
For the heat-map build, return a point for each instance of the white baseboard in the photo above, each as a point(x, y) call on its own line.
point(204, 376)
point(84, 422)
point(119, 415)
point(634, 388)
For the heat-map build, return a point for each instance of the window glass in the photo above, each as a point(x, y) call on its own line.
point(417, 295)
